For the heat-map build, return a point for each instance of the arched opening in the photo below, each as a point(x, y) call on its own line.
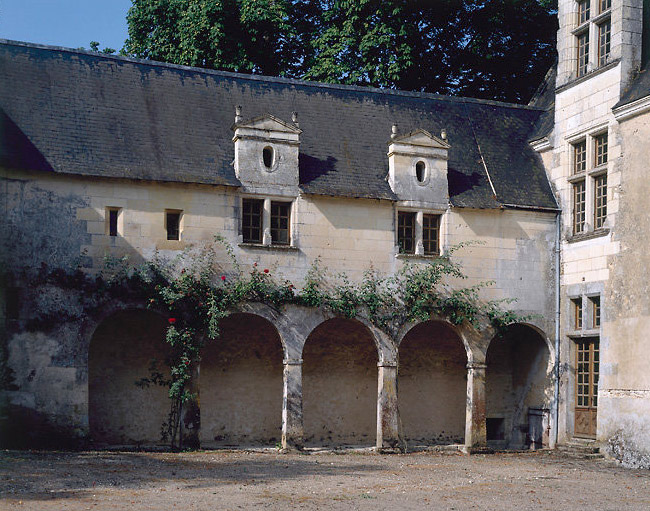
point(241, 384)
point(120, 354)
point(340, 385)
point(518, 389)
point(432, 385)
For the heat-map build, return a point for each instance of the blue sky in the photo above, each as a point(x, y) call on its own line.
point(71, 23)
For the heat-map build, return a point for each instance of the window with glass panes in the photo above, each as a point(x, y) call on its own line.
point(431, 234)
point(600, 149)
point(580, 156)
point(595, 311)
point(173, 225)
point(252, 220)
point(406, 232)
point(583, 11)
point(603, 5)
point(604, 42)
point(600, 201)
point(280, 217)
point(583, 53)
point(587, 369)
point(577, 313)
point(578, 207)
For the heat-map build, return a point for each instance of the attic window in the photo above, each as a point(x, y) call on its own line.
point(267, 156)
point(420, 169)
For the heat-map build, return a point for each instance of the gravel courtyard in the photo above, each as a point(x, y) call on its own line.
point(230, 480)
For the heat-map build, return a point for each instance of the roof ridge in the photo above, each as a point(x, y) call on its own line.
point(264, 78)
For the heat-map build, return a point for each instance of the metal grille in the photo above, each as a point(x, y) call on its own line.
point(406, 232)
point(578, 207)
point(580, 157)
point(431, 234)
point(252, 220)
point(600, 201)
point(280, 214)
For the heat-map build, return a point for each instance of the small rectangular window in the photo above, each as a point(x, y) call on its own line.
point(579, 157)
point(280, 218)
point(600, 201)
point(603, 5)
point(604, 42)
point(583, 53)
point(112, 216)
point(595, 311)
point(600, 148)
point(577, 313)
point(431, 234)
point(252, 210)
point(583, 11)
point(406, 232)
point(578, 207)
point(173, 224)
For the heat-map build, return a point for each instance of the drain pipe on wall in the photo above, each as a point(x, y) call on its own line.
point(556, 390)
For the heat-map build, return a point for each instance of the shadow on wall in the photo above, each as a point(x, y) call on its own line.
point(432, 385)
point(340, 385)
point(518, 389)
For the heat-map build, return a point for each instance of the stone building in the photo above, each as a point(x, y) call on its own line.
point(110, 155)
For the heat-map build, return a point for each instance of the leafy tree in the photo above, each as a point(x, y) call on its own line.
point(497, 49)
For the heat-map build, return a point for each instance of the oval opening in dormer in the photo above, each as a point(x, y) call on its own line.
point(420, 169)
point(267, 156)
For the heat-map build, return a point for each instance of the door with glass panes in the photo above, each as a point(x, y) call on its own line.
point(587, 365)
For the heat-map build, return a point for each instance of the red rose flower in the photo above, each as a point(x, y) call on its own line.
point(223, 277)
point(172, 321)
point(266, 270)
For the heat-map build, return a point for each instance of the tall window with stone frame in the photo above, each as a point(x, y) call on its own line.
point(583, 11)
point(600, 201)
point(406, 232)
point(431, 234)
point(252, 215)
point(579, 156)
point(604, 42)
point(600, 150)
point(583, 53)
point(280, 219)
point(579, 206)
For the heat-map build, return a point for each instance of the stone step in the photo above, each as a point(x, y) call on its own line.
point(578, 448)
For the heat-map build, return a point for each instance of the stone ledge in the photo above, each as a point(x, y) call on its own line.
point(587, 236)
point(279, 248)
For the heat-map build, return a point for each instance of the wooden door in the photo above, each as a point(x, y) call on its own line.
point(587, 366)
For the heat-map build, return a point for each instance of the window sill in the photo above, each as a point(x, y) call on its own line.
point(279, 248)
point(589, 74)
point(587, 332)
point(418, 256)
point(598, 233)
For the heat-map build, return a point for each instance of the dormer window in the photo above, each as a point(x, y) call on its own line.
point(267, 157)
point(420, 169)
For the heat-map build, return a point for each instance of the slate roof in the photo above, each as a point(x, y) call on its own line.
point(638, 88)
point(544, 98)
point(84, 113)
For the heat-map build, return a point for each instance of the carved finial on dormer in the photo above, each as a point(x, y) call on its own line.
point(443, 134)
point(238, 116)
point(393, 132)
point(294, 119)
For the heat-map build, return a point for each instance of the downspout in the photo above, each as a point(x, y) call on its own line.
point(556, 390)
